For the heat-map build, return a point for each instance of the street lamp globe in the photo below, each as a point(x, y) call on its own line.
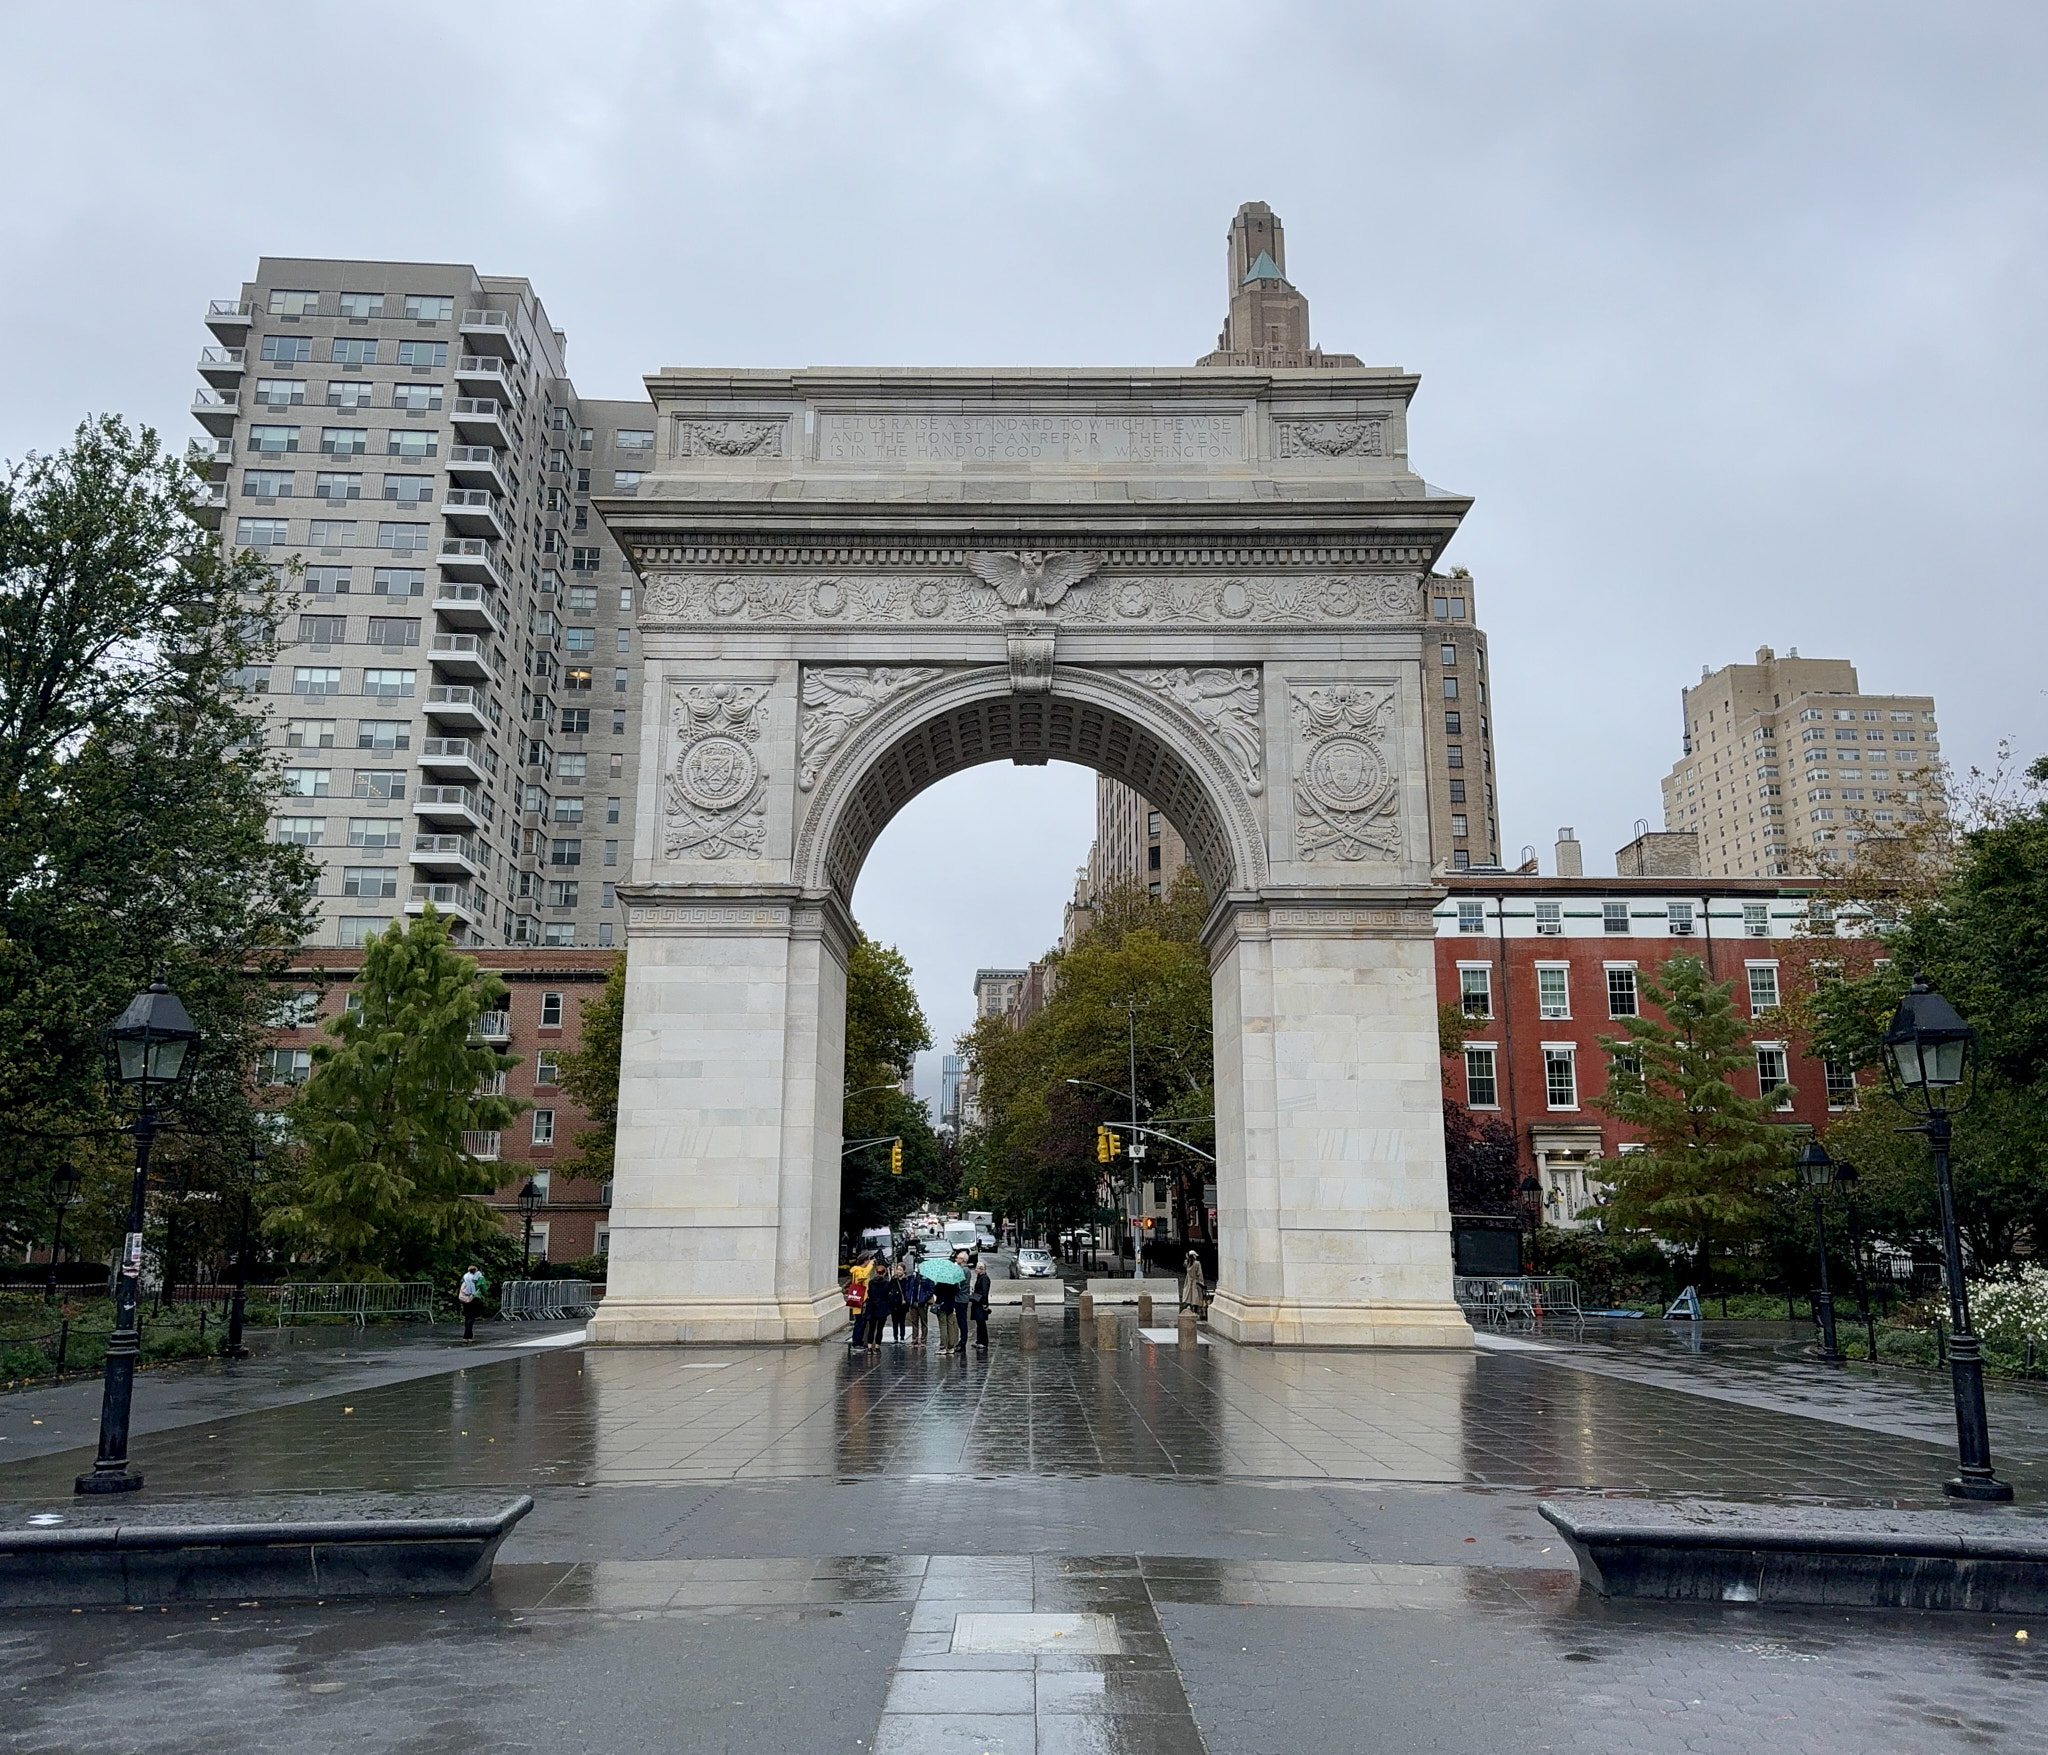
point(64, 1181)
point(1927, 1050)
point(149, 1046)
point(530, 1198)
point(1816, 1168)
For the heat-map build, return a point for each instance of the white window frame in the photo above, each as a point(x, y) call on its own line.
point(1635, 987)
point(1568, 1052)
point(1543, 1005)
point(543, 1127)
point(1485, 969)
point(1752, 970)
point(1784, 1077)
point(1492, 1051)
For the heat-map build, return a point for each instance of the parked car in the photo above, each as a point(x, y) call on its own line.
point(1032, 1264)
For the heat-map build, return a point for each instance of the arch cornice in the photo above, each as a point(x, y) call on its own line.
point(824, 813)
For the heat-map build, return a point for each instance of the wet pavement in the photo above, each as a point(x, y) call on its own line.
point(1130, 1549)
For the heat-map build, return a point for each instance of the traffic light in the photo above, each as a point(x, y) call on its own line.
point(1107, 1145)
point(896, 1158)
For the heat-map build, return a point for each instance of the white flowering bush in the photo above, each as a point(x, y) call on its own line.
point(2013, 1310)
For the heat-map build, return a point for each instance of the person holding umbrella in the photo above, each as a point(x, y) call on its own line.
point(917, 1294)
point(945, 1278)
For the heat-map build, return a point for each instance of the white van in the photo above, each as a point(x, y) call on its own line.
point(877, 1237)
point(962, 1234)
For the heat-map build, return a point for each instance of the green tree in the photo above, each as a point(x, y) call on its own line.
point(1713, 1160)
point(135, 799)
point(590, 1074)
point(885, 1032)
point(386, 1184)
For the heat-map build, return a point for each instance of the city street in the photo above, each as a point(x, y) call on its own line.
point(794, 1549)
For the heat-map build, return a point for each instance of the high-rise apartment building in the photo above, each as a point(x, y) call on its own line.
point(1457, 729)
point(1788, 757)
point(456, 699)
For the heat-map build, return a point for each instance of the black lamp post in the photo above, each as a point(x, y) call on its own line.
point(1927, 1056)
point(529, 1203)
point(150, 1055)
point(1531, 1192)
point(1845, 1180)
point(1817, 1170)
point(63, 1191)
point(233, 1347)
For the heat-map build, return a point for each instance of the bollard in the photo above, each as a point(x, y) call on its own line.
point(1190, 1332)
point(1144, 1309)
point(1106, 1338)
point(1087, 1308)
point(1027, 1329)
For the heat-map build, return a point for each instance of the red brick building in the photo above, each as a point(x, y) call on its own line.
point(543, 1016)
point(1544, 967)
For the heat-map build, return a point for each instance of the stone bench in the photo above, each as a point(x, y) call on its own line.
point(97, 1554)
point(1693, 1550)
point(1165, 1293)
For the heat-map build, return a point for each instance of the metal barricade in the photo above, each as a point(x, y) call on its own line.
point(545, 1300)
point(358, 1301)
point(1531, 1298)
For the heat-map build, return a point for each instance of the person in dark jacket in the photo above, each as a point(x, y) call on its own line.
point(977, 1303)
point(962, 1294)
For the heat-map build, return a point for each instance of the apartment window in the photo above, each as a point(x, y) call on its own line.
point(1770, 1071)
point(1453, 722)
point(1550, 919)
point(309, 734)
point(267, 484)
point(585, 560)
point(273, 441)
point(359, 930)
point(1763, 987)
point(609, 896)
point(633, 439)
point(566, 853)
point(571, 767)
point(1475, 991)
point(1482, 1083)
point(543, 1127)
point(409, 490)
point(383, 734)
point(1679, 917)
point(394, 630)
point(579, 639)
point(429, 307)
point(392, 684)
point(1461, 859)
point(550, 1011)
point(315, 680)
point(344, 441)
point(1450, 688)
point(546, 1069)
point(611, 853)
point(559, 933)
point(289, 303)
point(348, 393)
point(619, 681)
point(417, 398)
point(580, 521)
point(1621, 993)
point(369, 883)
point(1458, 824)
point(353, 350)
point(381, 783)
point(287, 350)
point(261, 532)
point(284, 1066)
point(1553, 992)
point(398, 581)
point(1560, 1077)
point(624, 481)
point(568, 810)
point(564, 893)
point(357, 306)
point(1756, 919)
point(302, 831)
point(1471, 916)
point(625, 600)
point(411, 442)
point(329, 534)
point(1454, 755)
point(618, 722)
point(422, 355)
point(335, 484)
point(604, 935)
point(280, 392)
point(611, 810)
point(1152, 855)
point(1841, 1083)
point(323, 631)
point(1448, 654)
point(1457, 792)
point(381, 833)
point(402, 538)
point(577, 681)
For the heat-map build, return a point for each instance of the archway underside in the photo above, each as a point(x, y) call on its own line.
point(1029, 730)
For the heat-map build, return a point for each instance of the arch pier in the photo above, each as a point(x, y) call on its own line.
point(1207, 583)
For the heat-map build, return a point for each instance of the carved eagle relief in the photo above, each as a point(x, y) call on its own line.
point(1032, 579)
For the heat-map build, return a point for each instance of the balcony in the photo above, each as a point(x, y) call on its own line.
point(229, 319)
point(480, 1144)
point(211, 457)
point(493, 1027)
point(213, 503)
point(216, 410)
point(484, 374)
point(471, 557)
point(449, 853)
point(467, 606)
point(463, 706)
point(221, 366)
point(480, 419)
point(454, 899)
point(473, 512)
point(487, 332)
point(477, 466)
point(463, 655)
point(460, 756)
point(450, 804)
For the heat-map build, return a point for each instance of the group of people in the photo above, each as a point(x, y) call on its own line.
point(899, 1296)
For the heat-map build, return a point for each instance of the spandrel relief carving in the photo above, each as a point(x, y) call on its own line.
point(1346, 784)
point(1226, 701)
point(837, 699)
point(716, 795)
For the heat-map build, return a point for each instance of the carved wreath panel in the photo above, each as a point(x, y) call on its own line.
point(1097, 601)
point(1331, 438)
point(1347, 789)
point(716, 793)
point(729, 438)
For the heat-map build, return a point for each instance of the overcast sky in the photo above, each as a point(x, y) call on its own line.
point(1729, 316)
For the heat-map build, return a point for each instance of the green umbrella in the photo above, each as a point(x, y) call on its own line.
point(942, 1272)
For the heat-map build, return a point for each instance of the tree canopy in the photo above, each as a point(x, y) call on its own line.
point(885, 1032)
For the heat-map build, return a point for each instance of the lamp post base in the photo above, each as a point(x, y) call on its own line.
point(1989, 1488)
point(121, 1480)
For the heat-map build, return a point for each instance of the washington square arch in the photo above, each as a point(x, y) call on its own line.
point(1206, 582)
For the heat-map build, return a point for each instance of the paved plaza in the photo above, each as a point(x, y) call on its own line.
point(1122, 1548)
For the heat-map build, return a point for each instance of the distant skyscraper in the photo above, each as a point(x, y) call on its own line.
point(1787, 754)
